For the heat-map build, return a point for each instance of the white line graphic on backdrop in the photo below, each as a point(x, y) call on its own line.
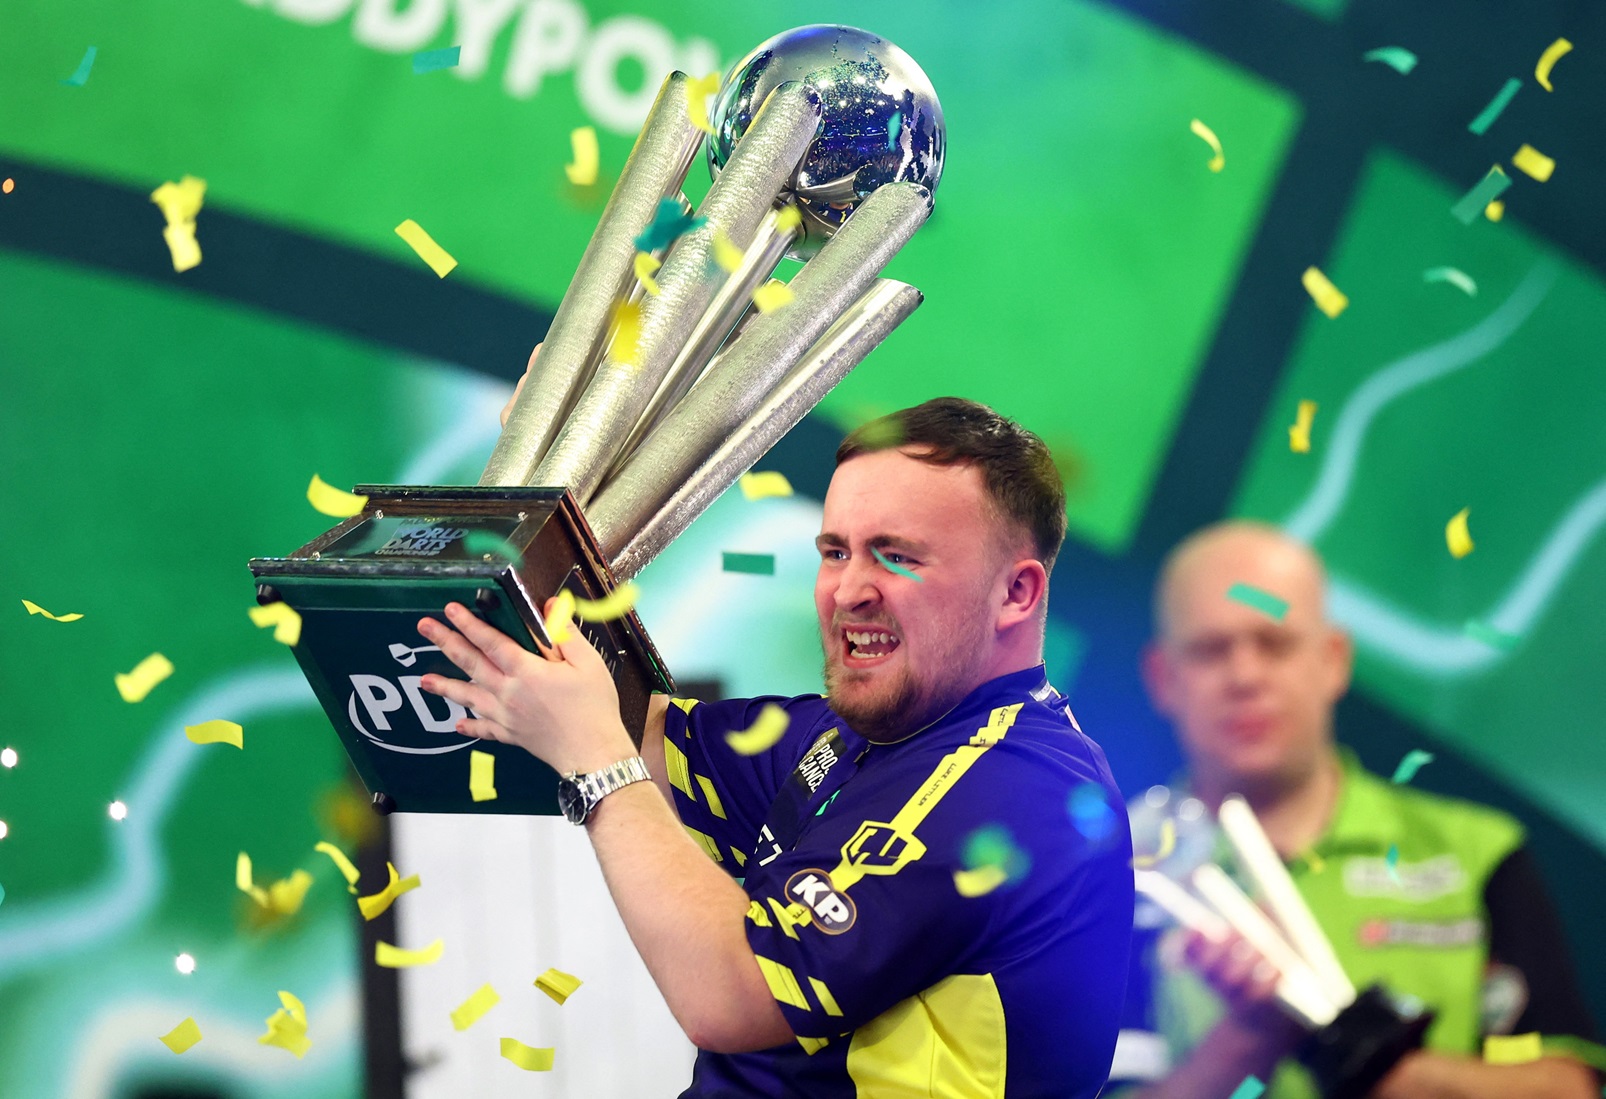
point(1380, 625)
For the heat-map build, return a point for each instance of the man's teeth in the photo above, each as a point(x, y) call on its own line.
point(869, 638)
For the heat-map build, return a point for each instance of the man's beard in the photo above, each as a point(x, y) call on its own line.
point(904, 706)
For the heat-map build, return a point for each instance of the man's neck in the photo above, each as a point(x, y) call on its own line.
point(1293, 816)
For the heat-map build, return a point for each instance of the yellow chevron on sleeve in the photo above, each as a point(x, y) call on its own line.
point(756, 913)
point(811, 1046)
point(705, 841)
point(741, 859)
point(685, 705)
point(788, 916)
point(823, 994)
point(679, 769)
point(710, 795)
point(783, 982)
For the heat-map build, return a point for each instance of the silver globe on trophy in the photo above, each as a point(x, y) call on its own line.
point(827, 146)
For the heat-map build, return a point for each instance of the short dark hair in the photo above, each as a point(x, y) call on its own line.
point(1016, 466)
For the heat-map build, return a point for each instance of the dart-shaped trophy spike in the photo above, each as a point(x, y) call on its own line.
point(623, 434)
point(1353, 1039)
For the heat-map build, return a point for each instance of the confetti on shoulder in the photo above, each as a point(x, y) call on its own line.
point(1263, 601)
point(764, 733)
point(35, 608)
point(759, 486)
point(439, 260)
point(979, 881)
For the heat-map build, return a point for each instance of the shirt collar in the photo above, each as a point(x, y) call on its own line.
point(1366, 816)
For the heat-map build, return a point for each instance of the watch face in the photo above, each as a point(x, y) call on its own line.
point(571, 801)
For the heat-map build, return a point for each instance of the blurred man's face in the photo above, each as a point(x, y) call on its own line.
point(1251, 697)
point(899, 653)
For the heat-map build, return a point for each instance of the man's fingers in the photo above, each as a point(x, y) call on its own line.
point(507, 409)
point(471, 696)
point(460, 651)
point(485, 729)
point(499, 649)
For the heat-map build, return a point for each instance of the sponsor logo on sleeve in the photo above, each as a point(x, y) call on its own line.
point(831, 911)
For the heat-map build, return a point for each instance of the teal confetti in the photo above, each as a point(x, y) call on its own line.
point(1413, 762)
point(1454, 276)
point(427, 61)
point(899, 569)
point(1262, 601)
point(1398, 58)
point(667, 224)
point(820, 812)
point(81, 77)
point(478, 542)
point(1487, 116)
point(894, 129)
point(758, 564)
point(1489, 188)
point(992, 845)
point(1392, 859)
point(1495, 639)
point(1251, 1088)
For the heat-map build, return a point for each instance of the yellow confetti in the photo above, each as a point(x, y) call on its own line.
point(789, 218)
point(758, 486)
point(216, 732)
point(645, 266)
point(587, 156)
point(558, 984)
point(35, 608)
point(1219, 161)
point(181, 201)
point(526, 1057)
point(372, 906)
point(764, 733)
point(980, 881)
point(393, 957)
point(481, 775)
point(772, 296)
point(181, 1037)
point(1299, 433)
point(1316, 863)
point(562, 613)
point(471, 1010)
point(697, 93)
point(243, 881)
point(347, 870)
point(1512, 1049)
point(439, 259)
point(1456, 535)
point(138, 683)
point(624, 339)
point(616, 604)
point(1168, 844)
point(1535, 163)
point(287, 1027)
point(726, 254)
point(182, 246)
point(333, 501)
point(285, 896)
point(284, 619)
point(1547, 61)
point(1495, 210)
point(1328, 298)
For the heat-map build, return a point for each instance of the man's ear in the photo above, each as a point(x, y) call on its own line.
point(1339, 655)
point(1155, 678)
point(1025, 595)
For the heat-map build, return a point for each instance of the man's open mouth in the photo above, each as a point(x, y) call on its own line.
point(866, 646)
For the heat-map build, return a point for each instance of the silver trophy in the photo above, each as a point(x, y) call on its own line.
point(1353, 1038)
point(827, 146)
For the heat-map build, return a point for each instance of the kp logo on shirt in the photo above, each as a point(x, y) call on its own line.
point(832, 912)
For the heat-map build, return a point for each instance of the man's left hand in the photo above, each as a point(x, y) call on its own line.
point(562, 707)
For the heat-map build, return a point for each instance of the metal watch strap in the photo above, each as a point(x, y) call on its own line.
point(599, 784)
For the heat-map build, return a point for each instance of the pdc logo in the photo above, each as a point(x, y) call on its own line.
point(833, 912)
point(376, 709)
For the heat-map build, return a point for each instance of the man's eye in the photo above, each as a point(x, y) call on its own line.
point(832, 554)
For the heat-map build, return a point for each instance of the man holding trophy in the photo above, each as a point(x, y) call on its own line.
point(916, 885)
point(1434, 903)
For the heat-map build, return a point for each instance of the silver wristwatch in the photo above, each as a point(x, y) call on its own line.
point(578, 794)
